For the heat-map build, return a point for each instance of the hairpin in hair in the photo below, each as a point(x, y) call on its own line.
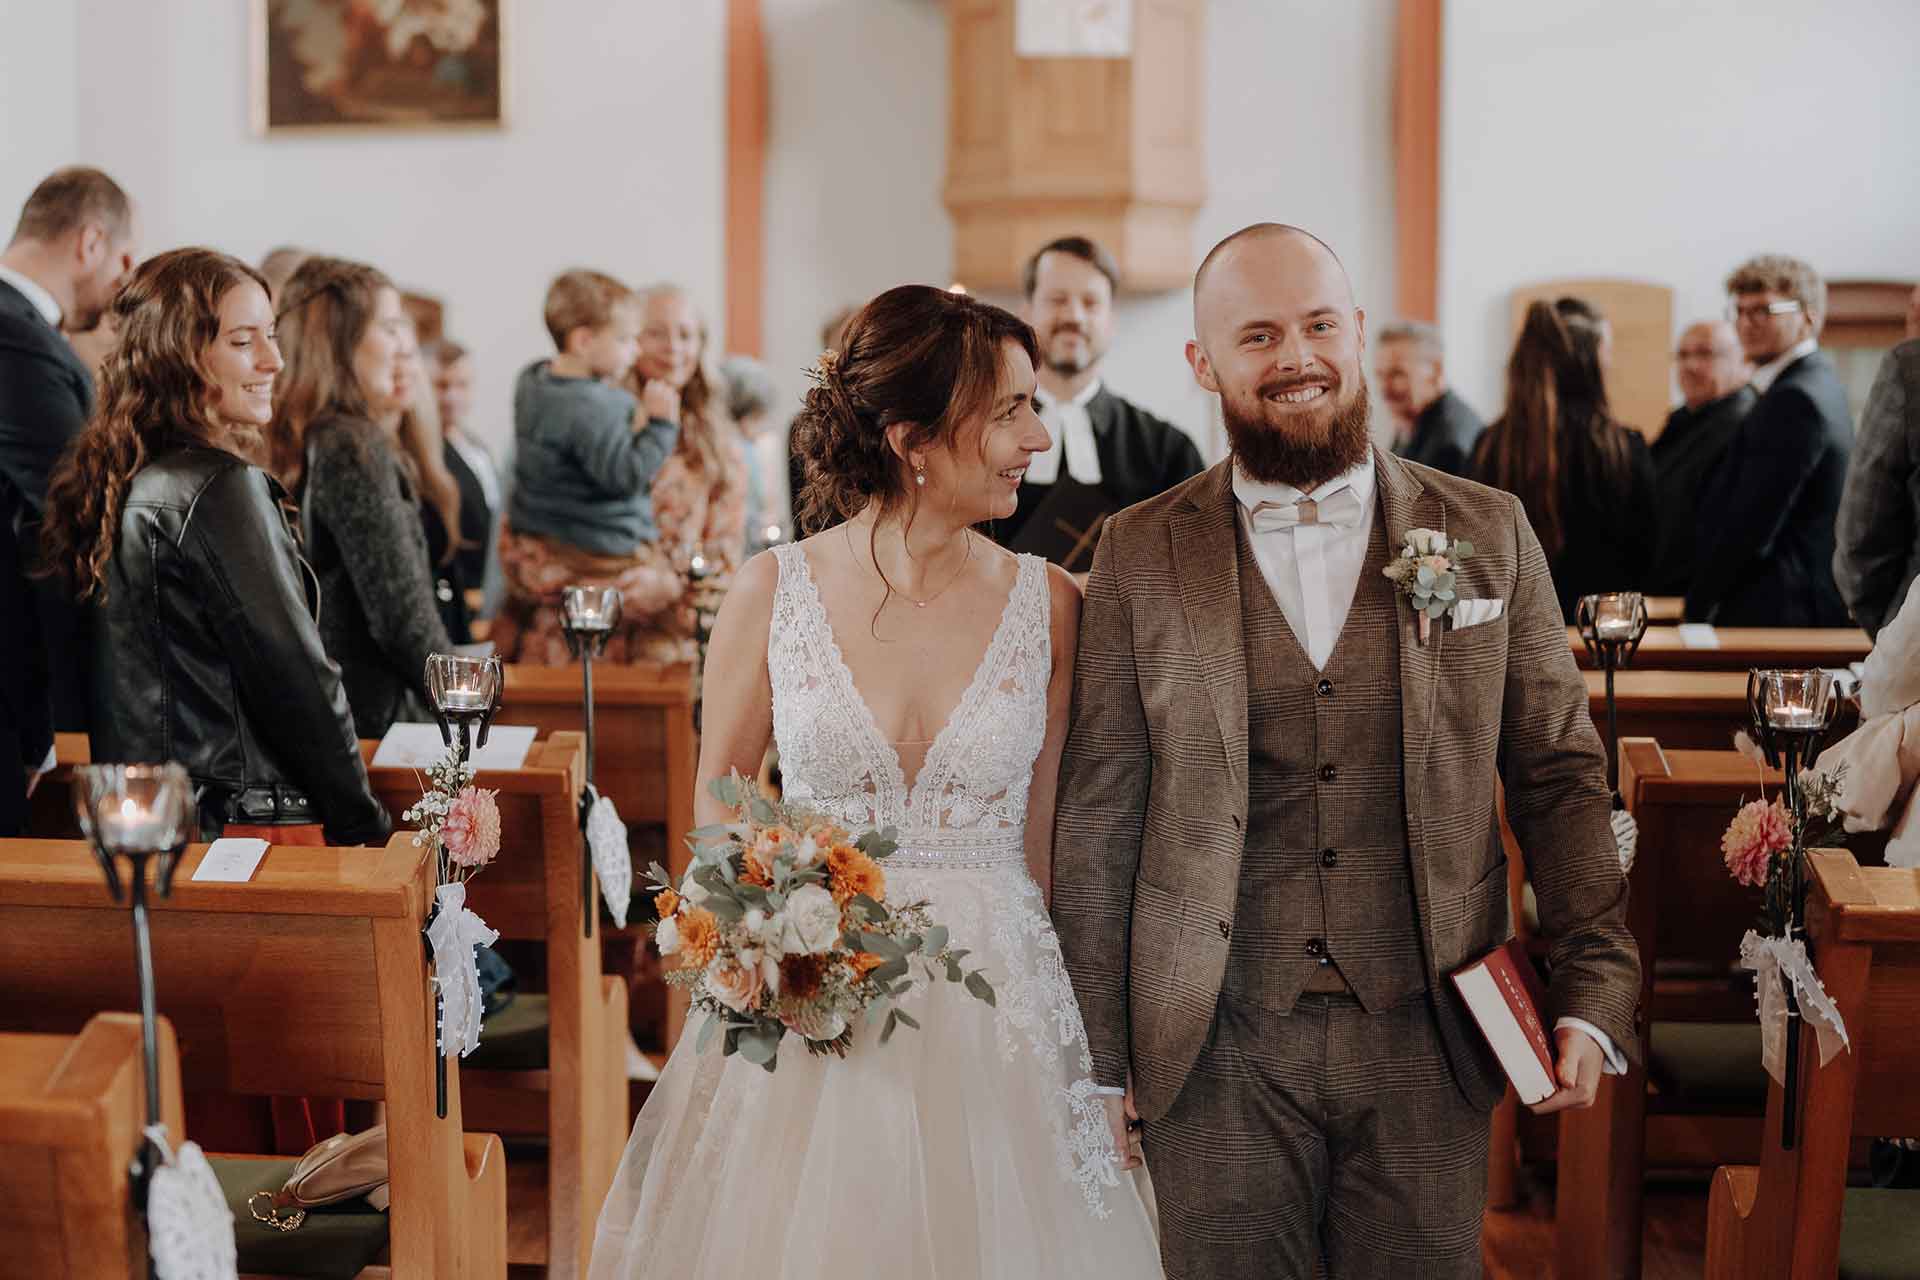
point(824, 368)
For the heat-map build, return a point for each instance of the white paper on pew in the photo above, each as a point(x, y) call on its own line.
point(231, 859)
point(418, 746)
point(1698, 635)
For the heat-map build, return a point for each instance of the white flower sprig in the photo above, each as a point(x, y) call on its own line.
point(1426, 571)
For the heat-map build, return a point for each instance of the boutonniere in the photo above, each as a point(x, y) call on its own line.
point(1425, 571)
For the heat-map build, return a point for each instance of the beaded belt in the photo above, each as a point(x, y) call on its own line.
point(959, 850)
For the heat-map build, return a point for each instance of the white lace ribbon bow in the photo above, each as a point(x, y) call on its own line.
point(455, 932)
point(612, 863)
point(189, 1227)
point(1776, 961)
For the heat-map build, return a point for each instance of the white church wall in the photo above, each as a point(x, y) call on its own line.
point(1667, 142)
point(37, 65)
point(614, 157)
point(1299, 118)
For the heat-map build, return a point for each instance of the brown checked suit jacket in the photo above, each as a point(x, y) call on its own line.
point(1153, 787)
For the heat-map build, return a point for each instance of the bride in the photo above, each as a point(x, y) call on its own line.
point(912, 675)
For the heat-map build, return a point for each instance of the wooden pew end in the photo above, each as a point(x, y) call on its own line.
point(486, 1194)
point(1729, 1205)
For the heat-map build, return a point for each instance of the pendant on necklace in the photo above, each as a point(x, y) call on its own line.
point(919, 604)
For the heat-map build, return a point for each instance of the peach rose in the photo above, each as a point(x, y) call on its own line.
point(734, 984)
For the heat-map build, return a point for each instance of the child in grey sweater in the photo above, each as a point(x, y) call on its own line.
point(586, 452)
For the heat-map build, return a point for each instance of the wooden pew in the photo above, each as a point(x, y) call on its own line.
point(572, 1089)
point(1681, 709)
point(310, 979)
point(72, 1108)
point(1687, 916)
point(1793, 1215)
point(644, 744)
point(1661, 649)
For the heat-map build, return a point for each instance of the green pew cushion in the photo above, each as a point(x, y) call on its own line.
point(1880, 1235)
point(334, 1243)
point(514, 1039)
point(1709, 1062)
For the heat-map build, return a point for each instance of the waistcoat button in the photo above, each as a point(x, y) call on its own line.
point(1326, 773)
point(1226, 930)
point(1316, 947)
point(1324, 688)
point(1328, 857)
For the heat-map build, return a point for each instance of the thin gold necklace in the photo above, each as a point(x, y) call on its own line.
point(918, 604)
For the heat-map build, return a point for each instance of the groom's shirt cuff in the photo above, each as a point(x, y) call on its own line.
point(1616, 1062)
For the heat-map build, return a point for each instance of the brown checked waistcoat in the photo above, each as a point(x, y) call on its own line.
point(1177, 873)
point(1325, 874)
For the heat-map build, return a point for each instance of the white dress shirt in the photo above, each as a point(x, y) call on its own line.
point(1072, 432)
point(42, 301)
point(1313, 571)
point(1767, 374)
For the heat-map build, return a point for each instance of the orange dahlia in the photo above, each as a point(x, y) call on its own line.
point(666, 902)
point(852, 873)
point(699, 936)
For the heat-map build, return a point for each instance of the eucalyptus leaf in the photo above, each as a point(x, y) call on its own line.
point(1461, 550)
point(890, 970)
point(758, 1045)
point(1425, 576)
point(707, 1033)
point(868, 907)
point(907, 1018)
point(980, 989)
point(953, 970)
point(1437, 609)
point(725, 908)
point(936, 940)
point(893, 1021)
point(762, 812)
point(726, 790)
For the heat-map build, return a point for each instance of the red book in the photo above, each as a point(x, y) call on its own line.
point(1504, 995)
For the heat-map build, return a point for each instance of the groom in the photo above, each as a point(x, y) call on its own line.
point(1277, 828)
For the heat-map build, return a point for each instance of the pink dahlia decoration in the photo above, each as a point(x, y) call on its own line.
point(1760, 830)
point(470, 832)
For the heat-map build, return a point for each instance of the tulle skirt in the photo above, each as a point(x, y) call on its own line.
point(971, 1149)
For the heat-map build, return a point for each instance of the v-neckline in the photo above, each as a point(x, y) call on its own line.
point(850, 688)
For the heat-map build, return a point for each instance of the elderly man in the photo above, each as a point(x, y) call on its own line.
point(1432, 425)
point(1766, 521)
point(1276, 832)
point(75, 243)
point(1713, 374)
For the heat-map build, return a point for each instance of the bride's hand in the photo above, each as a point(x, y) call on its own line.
point(1123, 1120)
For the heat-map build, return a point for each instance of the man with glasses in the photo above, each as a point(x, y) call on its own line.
point(1712, 373)
point(1766, 520)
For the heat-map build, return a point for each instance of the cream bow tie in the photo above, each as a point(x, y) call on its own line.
point(1341, 508)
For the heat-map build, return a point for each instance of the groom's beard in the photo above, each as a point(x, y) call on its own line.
point(1274, 446)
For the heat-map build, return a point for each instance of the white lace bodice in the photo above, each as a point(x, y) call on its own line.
point(967, 807)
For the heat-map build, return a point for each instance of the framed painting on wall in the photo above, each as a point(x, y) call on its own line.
point(378, 64)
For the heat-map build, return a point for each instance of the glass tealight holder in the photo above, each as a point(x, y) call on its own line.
point(135, 810)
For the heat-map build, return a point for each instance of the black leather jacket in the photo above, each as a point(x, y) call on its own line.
point(206, 652)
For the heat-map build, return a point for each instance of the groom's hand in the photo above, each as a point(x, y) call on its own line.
point(1578, 1071)
point(1125, 1123)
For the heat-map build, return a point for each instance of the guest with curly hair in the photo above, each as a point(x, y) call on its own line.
point(206, 650)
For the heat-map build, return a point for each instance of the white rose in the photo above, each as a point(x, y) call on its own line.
point(1427, 542)
point(812, 921)
point(668, 936)
point(807, 853)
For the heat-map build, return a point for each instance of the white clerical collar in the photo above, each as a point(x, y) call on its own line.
point(1765, 376)
point(1250, 493)
point(43, 302)
point(1071, 426)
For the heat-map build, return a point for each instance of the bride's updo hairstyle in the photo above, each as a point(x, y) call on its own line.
point(917, 356)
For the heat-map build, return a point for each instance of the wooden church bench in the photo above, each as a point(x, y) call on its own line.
point(311, 979)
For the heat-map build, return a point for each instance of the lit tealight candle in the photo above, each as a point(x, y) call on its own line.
point(462, 698)
point(131, 826)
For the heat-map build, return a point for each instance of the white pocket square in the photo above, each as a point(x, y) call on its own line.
point(1471, 613)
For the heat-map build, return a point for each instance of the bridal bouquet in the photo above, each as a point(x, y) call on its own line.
point(462, 823)
point(783, 924)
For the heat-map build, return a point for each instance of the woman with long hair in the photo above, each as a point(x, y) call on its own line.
point(206, 650)
point(916, 676)
point(700, 492)
point(415, 428)
point(343, 332)
point(1586, 481)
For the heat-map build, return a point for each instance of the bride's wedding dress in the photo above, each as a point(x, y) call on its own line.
point(975, 1146)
